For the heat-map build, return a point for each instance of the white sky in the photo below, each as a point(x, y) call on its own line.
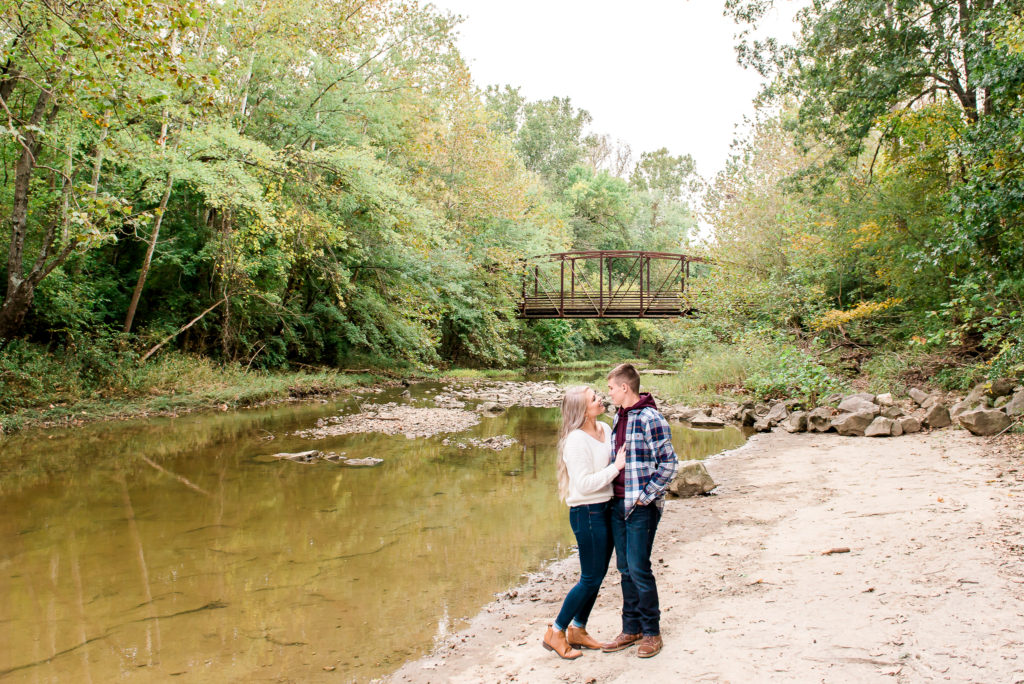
point(653, 73)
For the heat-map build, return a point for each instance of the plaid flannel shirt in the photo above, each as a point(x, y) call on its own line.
point(651, 461)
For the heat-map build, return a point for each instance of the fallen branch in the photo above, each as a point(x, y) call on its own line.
point(838, 549)
point(182, 329)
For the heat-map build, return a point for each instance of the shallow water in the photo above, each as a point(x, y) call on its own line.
point(173, 547)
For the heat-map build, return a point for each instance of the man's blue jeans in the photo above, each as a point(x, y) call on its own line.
point(634, 538)
point(593, 536)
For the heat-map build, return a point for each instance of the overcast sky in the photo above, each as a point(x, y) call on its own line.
point(654, 73)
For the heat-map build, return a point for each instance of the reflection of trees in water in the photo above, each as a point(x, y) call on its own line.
point(163, 521)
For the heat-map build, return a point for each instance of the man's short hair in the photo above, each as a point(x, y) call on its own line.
point(625, 372)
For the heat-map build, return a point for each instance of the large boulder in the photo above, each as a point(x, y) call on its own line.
point(691, 479)
point(1000, 387)
point(747, 417)
point(909, 424)
point(937, 416)
point(490, 409)
point(776, 414)
point(819, 419)
point(858, 404)
point(893, 412)
point(796, 422)
point(959, 408)
point(984, 422)
point(1016, 406)
point(880, 427)
point(850, 424)
point(702, 420)
point(918, 395)
point(978, 396)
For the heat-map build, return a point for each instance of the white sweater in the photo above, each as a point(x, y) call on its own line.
point(587, 460)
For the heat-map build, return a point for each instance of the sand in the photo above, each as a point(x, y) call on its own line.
point(932, 588)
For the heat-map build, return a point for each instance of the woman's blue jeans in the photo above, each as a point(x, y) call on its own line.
point(590, 524)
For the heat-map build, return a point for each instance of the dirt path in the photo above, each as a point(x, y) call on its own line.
point(931, 589)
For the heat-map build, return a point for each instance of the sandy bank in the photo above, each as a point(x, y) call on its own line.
point(931, 589)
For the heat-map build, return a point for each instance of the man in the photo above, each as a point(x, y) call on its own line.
point(637, 502)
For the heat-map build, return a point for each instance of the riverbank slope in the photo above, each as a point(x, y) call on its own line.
point(932, 586)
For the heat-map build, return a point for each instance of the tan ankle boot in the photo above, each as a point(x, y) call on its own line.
point(578, 637)
point(554, 640)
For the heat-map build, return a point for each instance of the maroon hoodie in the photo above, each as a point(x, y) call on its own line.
point(621, 423)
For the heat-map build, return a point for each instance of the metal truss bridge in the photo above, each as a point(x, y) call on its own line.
point(609, 284)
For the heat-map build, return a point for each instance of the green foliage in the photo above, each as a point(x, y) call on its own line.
point(791, 373)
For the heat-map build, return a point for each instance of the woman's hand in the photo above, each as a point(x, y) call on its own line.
point(620, 458)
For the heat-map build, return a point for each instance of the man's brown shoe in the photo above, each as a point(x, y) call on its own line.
point(554, 640)
point(620, 642)
point(578, 637)
point(650, 646)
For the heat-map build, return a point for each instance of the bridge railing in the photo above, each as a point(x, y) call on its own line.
point(607, 284)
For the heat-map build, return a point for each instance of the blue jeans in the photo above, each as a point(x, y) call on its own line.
point(593, 536)
point(634, 538)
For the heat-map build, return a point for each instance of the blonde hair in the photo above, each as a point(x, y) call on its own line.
point(574, 412)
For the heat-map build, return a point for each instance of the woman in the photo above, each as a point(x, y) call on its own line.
point(585, 484)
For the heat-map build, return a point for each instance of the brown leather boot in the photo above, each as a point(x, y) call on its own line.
point(620, 642)
point(578, 637)
point(554, 640)
point(650, 646)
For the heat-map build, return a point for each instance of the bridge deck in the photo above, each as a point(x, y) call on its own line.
point(551, 305)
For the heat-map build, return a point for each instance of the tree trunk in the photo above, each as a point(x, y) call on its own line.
point(137, 294)
point(20, 290)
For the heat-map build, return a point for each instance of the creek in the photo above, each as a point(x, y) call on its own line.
point(176, 547)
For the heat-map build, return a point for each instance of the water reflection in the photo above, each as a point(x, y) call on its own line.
point(170, 547)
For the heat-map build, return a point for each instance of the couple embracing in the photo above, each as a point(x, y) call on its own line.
point(614, 481)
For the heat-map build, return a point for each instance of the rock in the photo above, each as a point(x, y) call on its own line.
point(705, 421)
point(977, 395)
point(897, 428)
point(1000, 387)
point(1001, 401)
point(909, 424)
point(794, 404)
point(691, 479)
point(740, 410)
point(866, 396)
point(832, 399)
point(796, 422)
point(959, 408)
point(1016, 405)
point(747, 417)
point(884, 399)
point(858, 404)
point(490, 409)
point(762, 425)
point(984, 422)
point(937, 416)
point(819, 419)
point(853, 423)
point(776, 414)
point(893, 412)
point(363, 462)
point(918, 395)
point(686, 413)
point(761, 410)
point(933, 400)
point(880, 427)
point(300, 456)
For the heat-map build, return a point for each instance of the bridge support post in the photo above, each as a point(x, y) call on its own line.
point(561, 292)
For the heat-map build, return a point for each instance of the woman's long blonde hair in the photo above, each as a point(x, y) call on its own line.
point(574, 413)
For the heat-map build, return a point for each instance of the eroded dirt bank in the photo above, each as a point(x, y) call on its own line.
point(932, 587)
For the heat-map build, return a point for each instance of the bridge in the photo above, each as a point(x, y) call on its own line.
point(608, 284)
